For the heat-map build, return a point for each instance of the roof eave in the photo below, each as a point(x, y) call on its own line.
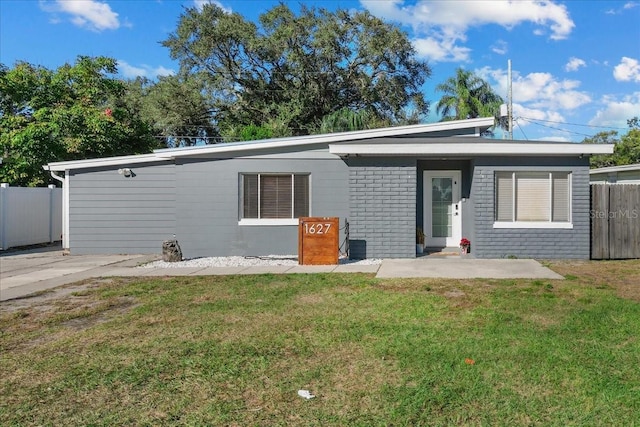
point(101, 162)
point(470, 149)
point(612, 169)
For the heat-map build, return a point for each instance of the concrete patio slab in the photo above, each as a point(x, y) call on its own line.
point(463, 268)
point(36, 276)
point(25, 272)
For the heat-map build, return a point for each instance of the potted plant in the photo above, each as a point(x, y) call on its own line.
point(419, 240)
point(465, 245)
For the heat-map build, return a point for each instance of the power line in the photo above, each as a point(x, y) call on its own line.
point(573, 124)
point(520, 127)
point(555, 128)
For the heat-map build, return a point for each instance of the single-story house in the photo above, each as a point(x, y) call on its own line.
point(509, 198)
point(627, 174)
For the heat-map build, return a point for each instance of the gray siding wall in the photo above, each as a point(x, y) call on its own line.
point(382, 203)
point(539, 243)
point(112, 214)
point(208, 202)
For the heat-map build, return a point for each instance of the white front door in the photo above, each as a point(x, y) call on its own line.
point(442, 208)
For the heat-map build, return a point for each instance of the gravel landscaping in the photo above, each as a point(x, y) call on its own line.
point(240, 261)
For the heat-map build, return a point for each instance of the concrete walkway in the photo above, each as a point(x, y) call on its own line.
point(24, 273)
point(466, 268)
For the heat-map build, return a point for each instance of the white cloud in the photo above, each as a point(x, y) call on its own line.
point(200, 4)
point(91, 14)
point(627, 6)
point(616, 112)
point(538, 90)
point(574, 64)
point(500, 47)
point(555, 139)
point(520, 110)
point(627, 70)
point(439, 50)
point(131, 72)
point(440, 25)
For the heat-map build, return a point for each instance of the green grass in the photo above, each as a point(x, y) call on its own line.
point(235, 350)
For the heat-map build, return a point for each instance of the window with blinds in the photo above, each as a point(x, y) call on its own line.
point(275, 196)
point(533, 197)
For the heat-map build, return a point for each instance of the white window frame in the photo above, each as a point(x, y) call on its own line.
point(535, 224)
point(270, 221)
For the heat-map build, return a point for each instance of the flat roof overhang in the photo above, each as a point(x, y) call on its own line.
point(470, 149)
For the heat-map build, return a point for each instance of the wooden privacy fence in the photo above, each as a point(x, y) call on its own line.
point(615, 221)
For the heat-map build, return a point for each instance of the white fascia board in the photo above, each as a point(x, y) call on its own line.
point(612, 169)
point(474, 148)
point(101, 162)
point(479, 125)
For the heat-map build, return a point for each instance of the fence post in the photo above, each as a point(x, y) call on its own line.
point(52, 189)
point(4, 188)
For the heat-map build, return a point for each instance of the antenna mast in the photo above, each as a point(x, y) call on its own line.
point(509, 102)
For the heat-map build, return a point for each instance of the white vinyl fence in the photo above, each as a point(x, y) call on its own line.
point(29, 216)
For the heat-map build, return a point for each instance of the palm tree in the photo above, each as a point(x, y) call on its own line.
point(467, 96)
point(347, 119)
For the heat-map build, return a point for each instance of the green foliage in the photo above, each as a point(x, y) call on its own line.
point(253, 132)
point(175, 108)
point(467, 96)
point(348, 120)
point(626, 150)
point(298, 68)
point(71, 113)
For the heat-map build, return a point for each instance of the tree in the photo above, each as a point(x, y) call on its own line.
point(626, 150)
point(174, 107)
point(297, 69)
point(467, 96)
point(348, 120)
point(48, 116)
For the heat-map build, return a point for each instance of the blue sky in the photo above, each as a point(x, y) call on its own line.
point(576, 64)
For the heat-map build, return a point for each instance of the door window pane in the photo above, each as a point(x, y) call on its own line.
point(441, 207)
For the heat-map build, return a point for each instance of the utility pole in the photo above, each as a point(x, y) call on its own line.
point(509, 101)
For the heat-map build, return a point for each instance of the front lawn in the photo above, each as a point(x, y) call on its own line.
point(235, 350)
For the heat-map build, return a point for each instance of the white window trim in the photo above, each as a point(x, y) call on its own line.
point(540, 224)
point(532, 224)
point(272, 221)
point(268, 221)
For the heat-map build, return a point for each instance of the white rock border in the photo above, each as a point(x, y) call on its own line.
point(249, 261)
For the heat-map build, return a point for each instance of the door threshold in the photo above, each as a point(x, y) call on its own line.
point(439, 251)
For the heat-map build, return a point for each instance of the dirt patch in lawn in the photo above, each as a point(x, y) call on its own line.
point(64, 310)
point(623, 275)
